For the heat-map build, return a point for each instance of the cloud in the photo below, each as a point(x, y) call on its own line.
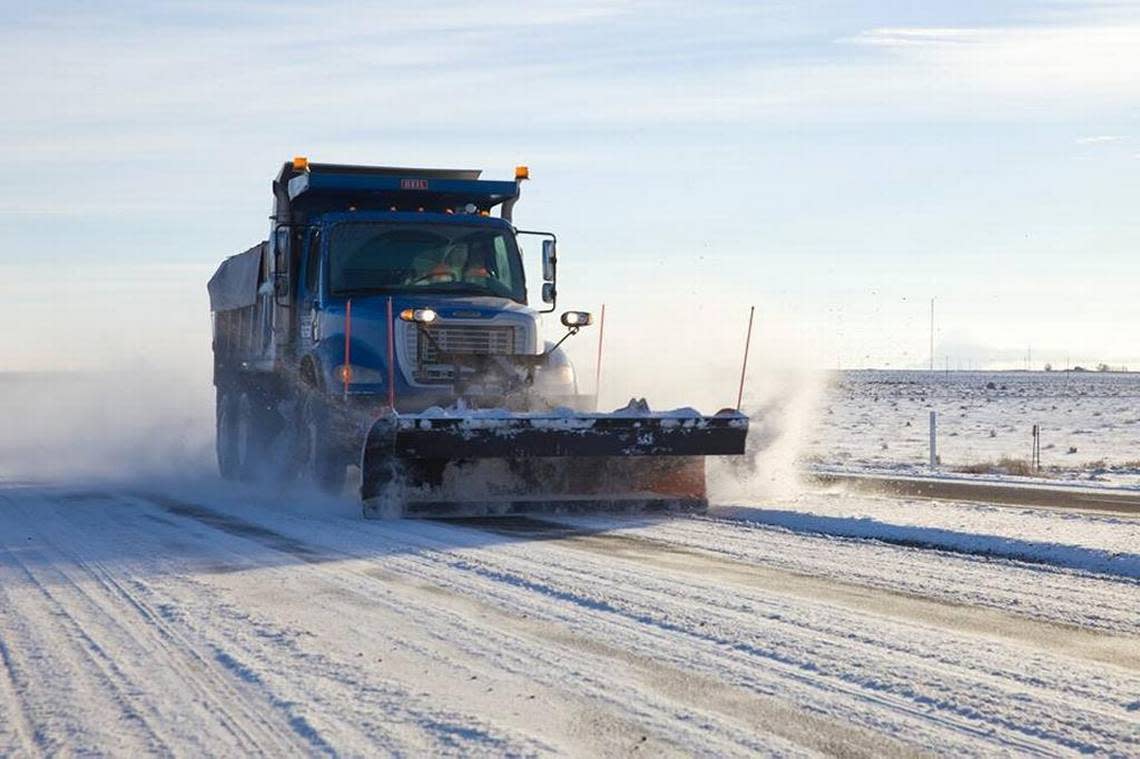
point(1057, 64)
point(1099, 139)
point(151, 80)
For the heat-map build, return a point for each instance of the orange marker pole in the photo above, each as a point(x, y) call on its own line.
point(598, 364)
point(744, 367)
point(346, 373)
point(391, 358)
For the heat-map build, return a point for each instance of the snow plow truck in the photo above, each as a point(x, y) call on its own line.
point(385, 324)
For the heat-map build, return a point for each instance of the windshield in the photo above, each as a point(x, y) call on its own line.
point(424, 258)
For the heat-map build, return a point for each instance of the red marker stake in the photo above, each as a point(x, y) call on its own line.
point(391, 358)
point(346, 373)
point(598, 365)
point(744, 368)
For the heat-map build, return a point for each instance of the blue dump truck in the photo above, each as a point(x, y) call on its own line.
point(385, 324)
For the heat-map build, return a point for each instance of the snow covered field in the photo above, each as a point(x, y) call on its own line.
point(1090, 422)
point(191, 618)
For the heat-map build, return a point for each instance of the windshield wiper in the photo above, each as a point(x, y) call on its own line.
point(366, 290)
point(445, 289)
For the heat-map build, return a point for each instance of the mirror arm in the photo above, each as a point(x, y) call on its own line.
point(570, 331)
point(423, 331)
point(457, 381)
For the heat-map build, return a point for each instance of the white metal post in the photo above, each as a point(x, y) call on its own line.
point(933, 440)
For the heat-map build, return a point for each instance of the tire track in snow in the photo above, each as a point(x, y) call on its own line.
point(932, 709)
point(16, 730)
point(1066, 597)
point(147, 655)
point(307, 686)
point(1022, 724)
point(694, 557)
point(89, 662)
point(644, 642)
point(524, 582)
point(251, 731)
point(502, 640)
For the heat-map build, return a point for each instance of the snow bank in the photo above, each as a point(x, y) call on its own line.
point(1102, 545)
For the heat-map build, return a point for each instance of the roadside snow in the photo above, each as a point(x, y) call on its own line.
point(1090, 422)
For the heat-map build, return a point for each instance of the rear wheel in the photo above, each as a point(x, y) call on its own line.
point(226, 434)
point(249, 438)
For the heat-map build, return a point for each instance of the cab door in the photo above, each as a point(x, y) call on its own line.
point(309, 289)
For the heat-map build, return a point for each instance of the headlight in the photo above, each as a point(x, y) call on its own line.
point(421, 315)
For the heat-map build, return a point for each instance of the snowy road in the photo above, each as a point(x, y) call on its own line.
point(190, 620)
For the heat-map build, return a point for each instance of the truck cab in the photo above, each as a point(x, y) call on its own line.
point(463, 270)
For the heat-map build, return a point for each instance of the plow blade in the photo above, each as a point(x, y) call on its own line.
point(528, 436)
point(418, 465)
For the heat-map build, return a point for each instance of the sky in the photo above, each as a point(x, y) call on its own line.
point(834, 164)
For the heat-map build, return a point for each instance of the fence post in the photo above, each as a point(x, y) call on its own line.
point(933, 439)
point(1037, 447)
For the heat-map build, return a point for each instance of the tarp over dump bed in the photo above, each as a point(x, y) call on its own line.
point(234, 284)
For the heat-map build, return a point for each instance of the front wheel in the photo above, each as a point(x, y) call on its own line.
point(324, 463)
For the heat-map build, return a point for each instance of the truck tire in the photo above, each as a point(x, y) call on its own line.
point(249, 438)
point(242, 436)
point(324, 463)
point(225, 440)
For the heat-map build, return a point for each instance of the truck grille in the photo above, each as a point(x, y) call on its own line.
point(456, 338)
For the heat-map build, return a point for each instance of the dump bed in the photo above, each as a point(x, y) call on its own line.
point(240, 325)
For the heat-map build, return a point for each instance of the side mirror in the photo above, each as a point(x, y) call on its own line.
point(549, 261)
point(548, 292)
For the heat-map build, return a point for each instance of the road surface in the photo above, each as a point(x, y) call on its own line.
point(191, 620)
